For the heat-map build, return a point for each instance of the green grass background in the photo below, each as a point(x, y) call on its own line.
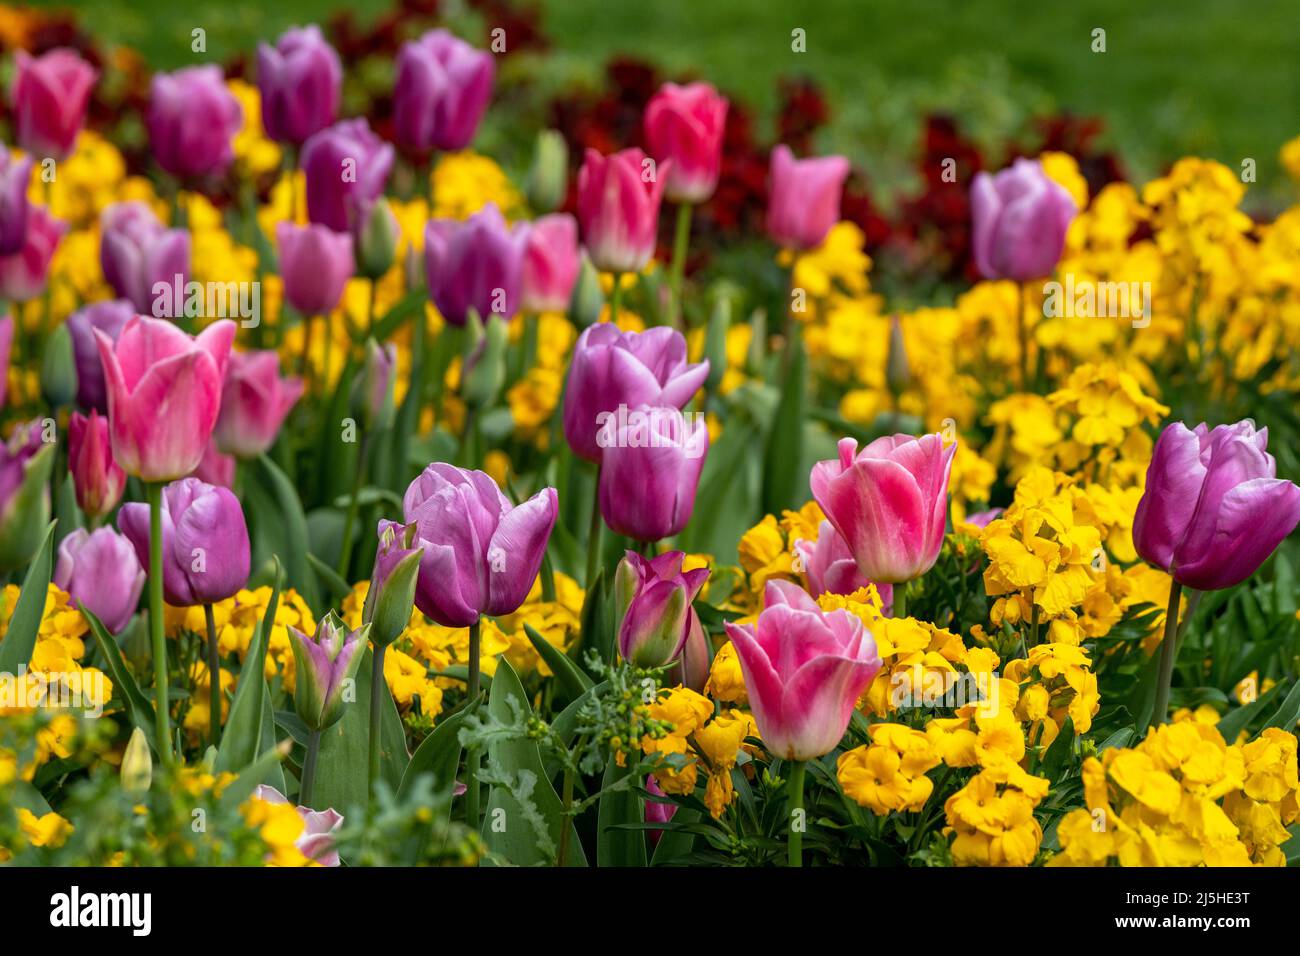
point(1215, 78)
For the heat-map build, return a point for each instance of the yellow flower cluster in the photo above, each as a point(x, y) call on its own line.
point(992, 819)
point(698, 735)
point(890, 775)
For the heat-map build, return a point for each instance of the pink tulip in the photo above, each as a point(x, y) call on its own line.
point(685, 124)
point(657, 812)
point(829, 566)
point(136, 251)
point(441, 91)
point(300, 80)
point(49, 95)
point(101, 573)
point(551, 262)
point(192, 120)
point(254, 403)
point(315, 264)
point(1214, 508)
point(1019, 219)
point(164, 393)
point(215, 468)
point(804, 671)
point(650, 470)
point(654, 598)
point(618, 208)
point(804, 198)
point(97, 478)
point(317, 839)
point(889, 502)
point(23, 274)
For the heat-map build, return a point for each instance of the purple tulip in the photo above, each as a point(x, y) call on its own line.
point(15, 174)
point(611, 368)
point(477, 263)
point(108, 317)
point(300, 79)
point(50, 94)
point(1214, 508)
point(101, 573)
point(23, 274)
point(137, 251)
point(1019, 219)
point(192, 121)
point(346, 166)
point(205, 541)
point(442, 88)
point(254, 403)
point(324, 663)
point(649, 471)
point(654, 607)
point(551, 263)
point(315, 264)
point(481, 554)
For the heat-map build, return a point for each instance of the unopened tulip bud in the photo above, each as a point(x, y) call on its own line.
point(372, 393)
point(324, 664)
point(137, 765)
point(757, 354)
point(588, 300)
point(484, 369)
point(59, 369)
point(376, 241)
point(548, 177)
point(715, 341)
point(898, 371)
point(391, 597)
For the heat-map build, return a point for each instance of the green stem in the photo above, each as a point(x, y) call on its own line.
point(378, 690)
point(680, 243)
point(615, 298)
point(153, 493)
point(304, 361)
point(1168, 654)
point(594, 530)
point(566, 814)
point(1033, 626)
point(795, 845)
point(345, 545)
point(472, 755)
point(370, 307)
point(900, 600)
point(309, 768)
point(214, 678)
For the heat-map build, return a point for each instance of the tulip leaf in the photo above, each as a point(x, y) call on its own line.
point(678, 842)
point(262, 769)
point(439, 755)
point(729, 492)
point(406, 306)
point(294, 542)
point(783, 455)
point(25, 623)
point(327, 576)
point(27, 513)
point(139, 708)
point(1286, 715)
point(619, 805)
point(562, 666)
point(1235, 721)
point(242, 736)
point(597, 628)
point(530, 799)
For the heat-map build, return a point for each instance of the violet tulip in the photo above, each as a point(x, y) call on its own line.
point(315, 264)
point(441, 91)
point(254, 403)
point(164, 393)
point(317, 839)
point(323, 664)
point(97, 478)
point(889, 502)
point(551, 263)
point(685, 124)
point(192, 121)
point(109, 317)
point(23, 274)
point(300, 80)
point(49, 97)
point(346, 166)
point(618, 208)
point(204, 541)
point(475, 264)
point(26, 461)
point(15, 175)
point(650, 470)
point(654, 609)
point(1214, 508)
point(481, 554)
point(1019, 219)
point(101, 573)
point(136, 251)
point(804, 671)
point(611, 368)
point(830, 568)
point(803, 198)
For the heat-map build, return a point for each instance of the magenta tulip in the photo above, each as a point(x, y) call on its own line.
point(164, 393)
point(551, 263)
point(136, 251)
point(610, 369)
point(829, 566)
point(481, 554)
point(1214, 508)
point(97, 478)
point(346, 166)
point(101, 573)
point(254, 403)
point(15, 175)
point(324, 664)
point(315, 264)
point(109, 317)
point(650, 469)
point(654, 599)
point(475, 264)
point(804, 671)
point(300, 80)
point(442, 89)
point(23, 274)
point(49, 96)
point(889, 502)
point(192, 121)
point(215, 468)
point(804, 198)
point(1019, 219)
point(204, 541)
point(618, 208)
point(685, 124)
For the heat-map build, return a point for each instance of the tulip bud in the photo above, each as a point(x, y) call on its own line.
point(376, 241)
point(59, 369)
point(898, 371)
point(654, 603)
point(484, 370)
point(391, 597)
point(757, 354)
point(25, 464)
point(715, 341)
point(137, 765)
point(372, 393)
point(324, 663)
point(548, 177)
point(588, 300)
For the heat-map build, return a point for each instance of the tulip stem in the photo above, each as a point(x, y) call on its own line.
point(615, 298)
point(153, 493)
point(345, 544)
point(472, 754)
point(304, 361)
point(214, 678)
point(594, 533)
point(309, 768)
point(1168, 654)
point(378, 687)
point(680, 243)
point(900, 600)
point(797, 816)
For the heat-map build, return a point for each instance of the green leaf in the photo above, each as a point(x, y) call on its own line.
point(783, 453)
point(242, 737)
point(1234, 722)
point(562, 666)
point(614, 846)
point(439, 755)
point(338, 588)
point(259, 770)
point(1286, 715)
point(291, 525)
point(20, 640)
point(674, 844)
point(139, 708)
point(1059, 753)
point(597, 625)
